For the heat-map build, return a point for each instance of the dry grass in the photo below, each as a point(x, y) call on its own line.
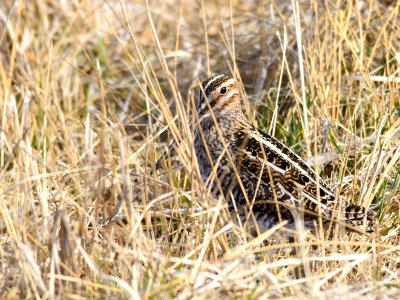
point(91, 91)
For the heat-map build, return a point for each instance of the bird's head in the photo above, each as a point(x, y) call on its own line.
point(220, 95)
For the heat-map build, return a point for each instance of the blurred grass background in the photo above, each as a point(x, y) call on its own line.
point(91, 92)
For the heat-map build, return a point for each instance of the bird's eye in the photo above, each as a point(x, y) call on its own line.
point(223, 90)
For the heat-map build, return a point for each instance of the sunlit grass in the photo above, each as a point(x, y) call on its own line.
point(92, 92)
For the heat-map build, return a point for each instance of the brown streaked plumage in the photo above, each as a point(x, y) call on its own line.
point(263, 181)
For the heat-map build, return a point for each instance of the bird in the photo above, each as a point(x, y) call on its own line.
point(263, 181)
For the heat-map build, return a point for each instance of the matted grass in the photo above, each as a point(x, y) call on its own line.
point(92, 92)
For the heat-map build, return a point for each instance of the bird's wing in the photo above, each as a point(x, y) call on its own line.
point(273, 161)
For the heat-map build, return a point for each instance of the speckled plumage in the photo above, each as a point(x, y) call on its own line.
point(255, 172)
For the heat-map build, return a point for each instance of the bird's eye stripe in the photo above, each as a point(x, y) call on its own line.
point(211, 84)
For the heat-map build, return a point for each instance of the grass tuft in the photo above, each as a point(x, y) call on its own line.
point(91, 93)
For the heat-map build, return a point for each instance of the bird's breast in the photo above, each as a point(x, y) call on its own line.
point(214, 145)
